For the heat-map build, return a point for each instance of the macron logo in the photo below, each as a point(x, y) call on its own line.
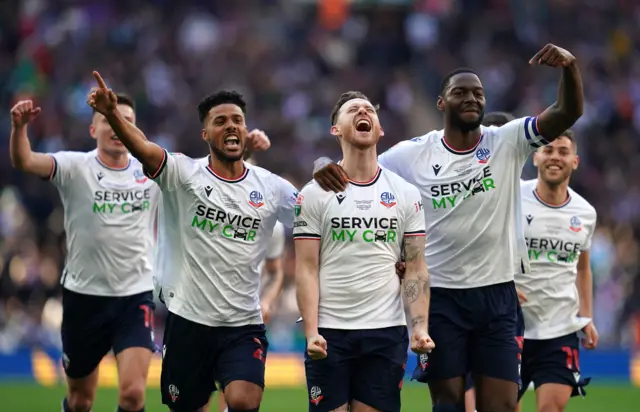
point(436, 169)
point(208, 190)
point(529, 219)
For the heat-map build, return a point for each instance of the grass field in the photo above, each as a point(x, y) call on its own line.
point(18, 397)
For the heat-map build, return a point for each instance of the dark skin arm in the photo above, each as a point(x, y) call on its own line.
point(329, 175)
point(568, 107)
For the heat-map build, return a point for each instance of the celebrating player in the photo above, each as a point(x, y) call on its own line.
point(218, 221)
point(558, 226)
point(469, 177)
point(109, 211)
point(347, 289)
point(272, 275)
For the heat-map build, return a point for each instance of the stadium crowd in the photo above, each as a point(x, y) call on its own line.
point(291, 63)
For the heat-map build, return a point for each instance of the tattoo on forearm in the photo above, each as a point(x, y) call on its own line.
point(415, 285)
point(411, 290)
point(417, 320)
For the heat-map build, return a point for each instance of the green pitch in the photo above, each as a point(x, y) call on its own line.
point(18, 397)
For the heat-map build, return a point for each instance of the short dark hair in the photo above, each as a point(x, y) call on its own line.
point(570, 135)
point(345, 97)
point(218, 98)
point(125, 100)
point(497, 119)
point(447, 79)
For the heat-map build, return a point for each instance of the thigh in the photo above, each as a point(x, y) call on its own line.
point(134, 323)
point(495, 351)
point(556, 361)
point(186, 380)
point(86, 332)
point(449, 328)
point(329, 379)
point(241, 355)
point(377, 377)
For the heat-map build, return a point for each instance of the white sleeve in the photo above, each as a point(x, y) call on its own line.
point(398, 159)
point(174, 171)
point(592, 230)
point(287, 195)
point(414, 213)
point(64, 167)
point(276, 244)
point(524, 134)
point(308, 215)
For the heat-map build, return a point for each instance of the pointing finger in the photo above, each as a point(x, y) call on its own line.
point(101, 82)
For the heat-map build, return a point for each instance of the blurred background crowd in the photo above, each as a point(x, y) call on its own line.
point(291, 59)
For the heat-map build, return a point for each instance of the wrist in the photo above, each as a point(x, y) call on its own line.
point(18, 127)
point(311, 333)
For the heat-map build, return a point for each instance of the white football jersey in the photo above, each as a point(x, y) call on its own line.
point(361, 231)
point(109, 219)
point(215, 233)
point(276, 244)
point(556, 235)
point(274, 250)
point(471, 201)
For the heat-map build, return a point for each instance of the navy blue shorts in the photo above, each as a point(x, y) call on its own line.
point(94, 325)
point(477, 331)
point(196, 356)
point(363, 365)
point(554, 360)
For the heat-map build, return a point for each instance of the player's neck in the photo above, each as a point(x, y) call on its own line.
point(553, 194)
point(461, 140)
point(226, 169)
point(114, 161)
point(361, 165)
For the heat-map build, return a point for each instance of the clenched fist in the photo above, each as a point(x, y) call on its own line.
point(553, 56)
point(23, 113)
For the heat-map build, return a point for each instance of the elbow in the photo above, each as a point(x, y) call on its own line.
point(19, 163)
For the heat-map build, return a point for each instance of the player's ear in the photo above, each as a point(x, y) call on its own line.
point(381, 131)
point(335, 130)
point(576, 162)
point(92, 130)
point(535, 158)
point(203, 133)
point(440, 104)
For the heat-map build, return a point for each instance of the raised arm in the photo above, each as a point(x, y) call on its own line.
point(584, 284)
point(22, 157)
point(568, 107)
point(104, 101)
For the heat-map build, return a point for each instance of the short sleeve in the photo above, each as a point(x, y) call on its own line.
point(592, 230)
point(174, 171)
point(414, 213)
point(276, 244)
point(308, 215)
point(64, 166)
point(287, 194)
point(524, 134)
point(398, 159)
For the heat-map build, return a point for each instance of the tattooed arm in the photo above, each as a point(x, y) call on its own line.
point(416, 284)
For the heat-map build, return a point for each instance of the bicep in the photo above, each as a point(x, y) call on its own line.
point(307, 256)
point(584, 262)
point(42, 165)
point(414, 252)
